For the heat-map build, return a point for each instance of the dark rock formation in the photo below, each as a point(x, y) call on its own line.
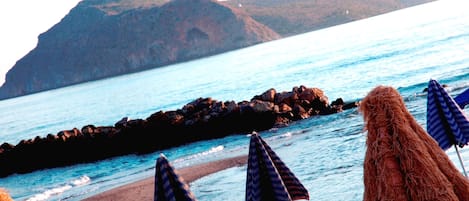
point(94, 41)
point(201, 119)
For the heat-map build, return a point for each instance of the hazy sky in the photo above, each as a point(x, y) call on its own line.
point(21, 22)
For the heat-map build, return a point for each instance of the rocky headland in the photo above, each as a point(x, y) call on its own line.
point(96, 41)
point(201, 119)
point(105, 38)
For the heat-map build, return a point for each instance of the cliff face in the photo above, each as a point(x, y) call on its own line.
point(96, 41)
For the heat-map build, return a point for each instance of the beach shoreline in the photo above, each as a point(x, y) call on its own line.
point(143, 190)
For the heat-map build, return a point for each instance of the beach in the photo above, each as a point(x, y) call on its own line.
point(325, 152)
point(144, 189)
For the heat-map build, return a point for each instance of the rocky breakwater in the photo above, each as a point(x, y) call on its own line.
point(201, 119)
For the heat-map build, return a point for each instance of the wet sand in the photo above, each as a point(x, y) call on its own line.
point(143, 190)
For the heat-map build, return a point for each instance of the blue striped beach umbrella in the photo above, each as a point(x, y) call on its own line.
point(446, 122)
point(169, 186)
point(268, 178)
point(462, 99)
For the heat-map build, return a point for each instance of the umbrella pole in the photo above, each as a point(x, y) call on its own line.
point(460, 160)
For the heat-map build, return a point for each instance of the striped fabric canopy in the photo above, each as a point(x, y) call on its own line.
point(462, 99)
point(169, 186)
point(268, 178)
point(446, 122)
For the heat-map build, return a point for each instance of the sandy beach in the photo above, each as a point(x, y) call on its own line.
point(143, 190)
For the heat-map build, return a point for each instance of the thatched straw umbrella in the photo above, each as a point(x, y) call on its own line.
point(402, 161)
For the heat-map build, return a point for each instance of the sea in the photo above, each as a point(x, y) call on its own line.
point(403, 49)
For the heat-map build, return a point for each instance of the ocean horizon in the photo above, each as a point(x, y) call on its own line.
point(403, 49)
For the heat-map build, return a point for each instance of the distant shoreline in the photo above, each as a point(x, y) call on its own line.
point(143, 190)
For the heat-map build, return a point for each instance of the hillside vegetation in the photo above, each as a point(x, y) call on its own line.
point(299, 16)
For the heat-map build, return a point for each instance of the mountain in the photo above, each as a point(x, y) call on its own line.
point(299, 16)
point(105, 38)
point(98, 40)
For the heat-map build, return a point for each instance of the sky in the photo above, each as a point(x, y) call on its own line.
point(21, 22)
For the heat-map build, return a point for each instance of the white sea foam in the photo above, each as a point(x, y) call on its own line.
point(48, 193)
point(287, 134)
point(60, 189)
point(81, 181)
point(201, 154)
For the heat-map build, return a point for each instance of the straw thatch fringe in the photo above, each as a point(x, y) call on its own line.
point(402, 161)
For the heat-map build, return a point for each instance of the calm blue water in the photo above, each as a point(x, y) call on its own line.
point(403, 49)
